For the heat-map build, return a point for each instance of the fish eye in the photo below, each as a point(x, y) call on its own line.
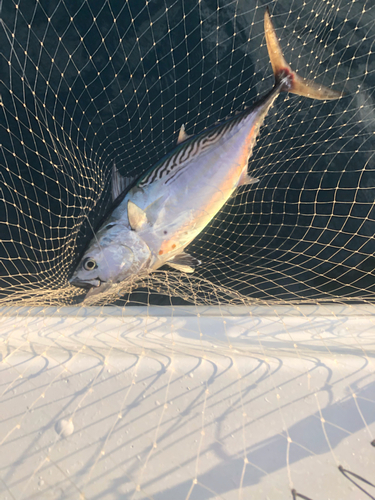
point(89, 264)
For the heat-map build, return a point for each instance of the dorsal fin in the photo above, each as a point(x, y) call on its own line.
point(182, 136)
point(119, 183)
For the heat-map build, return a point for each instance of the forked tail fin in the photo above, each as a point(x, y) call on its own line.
point(288, 80)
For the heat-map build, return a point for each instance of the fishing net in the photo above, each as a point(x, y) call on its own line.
point(84, 87)
point(89, 84)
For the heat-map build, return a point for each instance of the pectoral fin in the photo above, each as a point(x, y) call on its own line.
point(154, 209)
point(184, 263)
point(137, 217)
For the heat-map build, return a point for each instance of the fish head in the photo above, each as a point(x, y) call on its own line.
point(113, 256)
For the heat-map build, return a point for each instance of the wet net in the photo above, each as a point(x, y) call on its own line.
point(89, 84)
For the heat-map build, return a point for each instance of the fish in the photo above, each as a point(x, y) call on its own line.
point(157, 215)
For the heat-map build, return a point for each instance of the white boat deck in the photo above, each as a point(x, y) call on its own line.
point(187, 402)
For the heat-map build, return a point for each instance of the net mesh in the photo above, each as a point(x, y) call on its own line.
point(87, 84)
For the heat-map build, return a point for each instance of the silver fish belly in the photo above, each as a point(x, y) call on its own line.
point(160, 213)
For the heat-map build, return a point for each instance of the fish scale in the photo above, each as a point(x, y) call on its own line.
point(155, 217)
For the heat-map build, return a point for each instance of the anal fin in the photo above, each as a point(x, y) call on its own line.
point(246, 179)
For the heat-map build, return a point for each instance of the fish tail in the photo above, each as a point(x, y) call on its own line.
point(285, 78)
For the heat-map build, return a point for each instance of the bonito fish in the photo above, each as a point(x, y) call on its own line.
point(159, 214)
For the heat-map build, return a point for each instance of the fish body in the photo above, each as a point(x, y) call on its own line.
point(181, 196)
point(159, 214)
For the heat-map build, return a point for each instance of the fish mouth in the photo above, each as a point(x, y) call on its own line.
point(86, 284)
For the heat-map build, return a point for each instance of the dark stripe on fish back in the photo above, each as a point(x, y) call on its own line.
point(188, 151)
